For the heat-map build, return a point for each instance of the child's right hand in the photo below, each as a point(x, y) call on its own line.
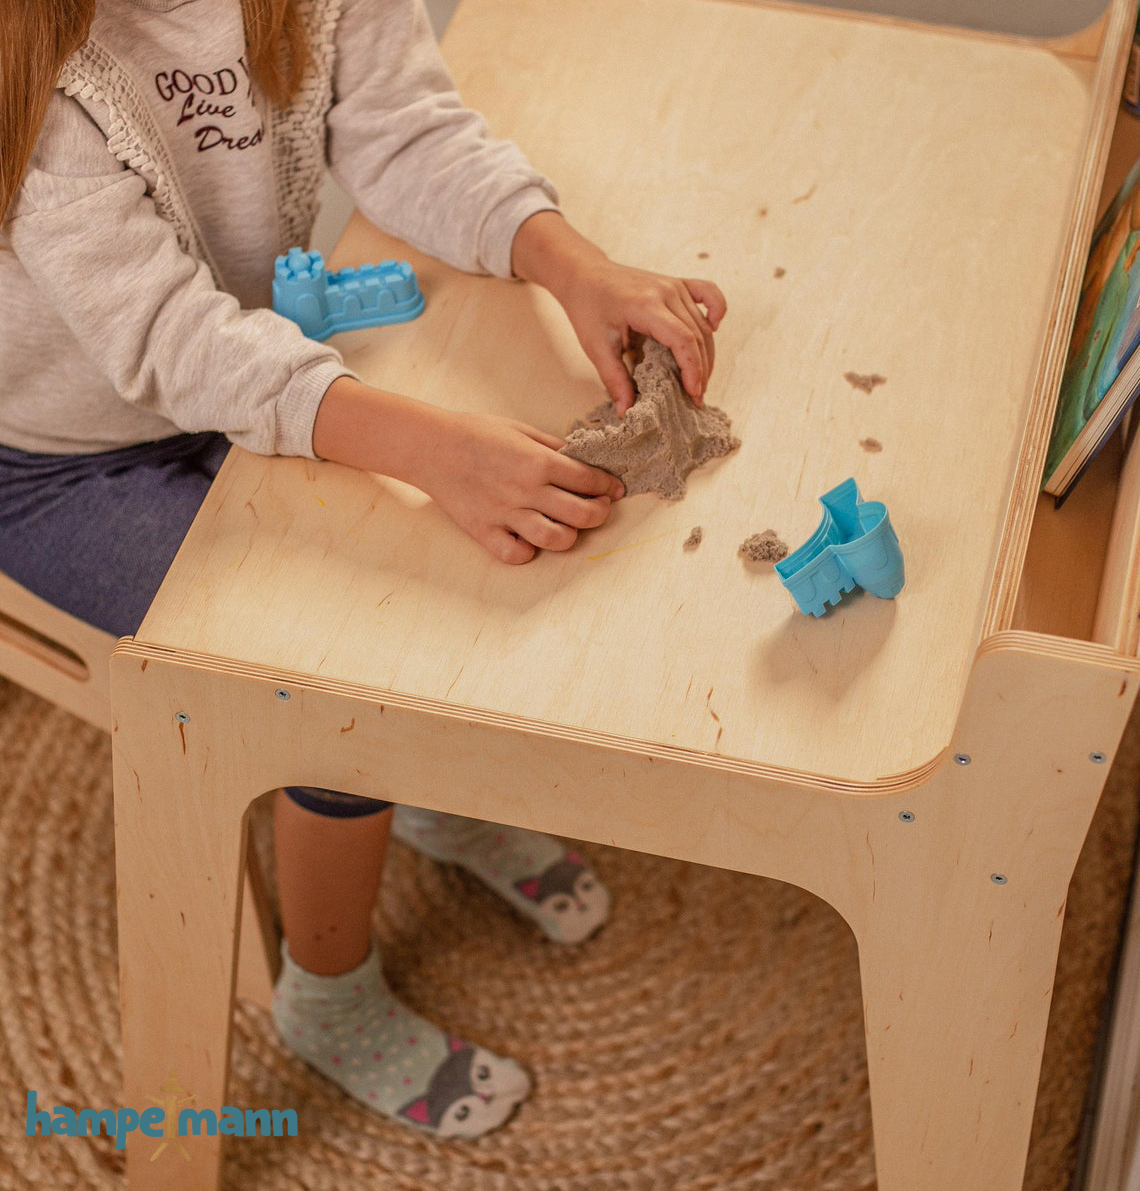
point(505, 484)
point(502, 482)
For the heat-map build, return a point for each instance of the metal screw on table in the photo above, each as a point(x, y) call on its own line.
point(907, 816)
point(999, 878)
point(182, 717)
point(1098, 758)
point(281, 693)
point(961, 758)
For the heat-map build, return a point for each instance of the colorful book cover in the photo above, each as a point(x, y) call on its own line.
point(1102, 375)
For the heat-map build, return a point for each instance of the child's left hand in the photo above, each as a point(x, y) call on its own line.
point(607, 302)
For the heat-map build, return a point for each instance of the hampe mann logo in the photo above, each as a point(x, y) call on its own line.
point(173, 1117)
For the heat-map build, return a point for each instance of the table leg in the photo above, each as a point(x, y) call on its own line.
point(960, 920)
point(955, 1032)
point(180, 850)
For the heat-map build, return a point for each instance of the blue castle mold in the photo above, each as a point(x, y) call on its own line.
point(854, 543)
point(322, 303)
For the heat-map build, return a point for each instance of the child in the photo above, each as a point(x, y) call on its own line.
point(155, 156)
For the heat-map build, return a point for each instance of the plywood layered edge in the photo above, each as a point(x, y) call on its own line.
point(1104, 96)
point(1041, 645)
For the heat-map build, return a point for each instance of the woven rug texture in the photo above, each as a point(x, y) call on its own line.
point(709, 1038)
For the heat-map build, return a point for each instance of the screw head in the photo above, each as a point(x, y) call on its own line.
point(961, 758)
point(906, 816)
point(281, 693)
point(1098, 758)
point(999, 878)
point(182, 717)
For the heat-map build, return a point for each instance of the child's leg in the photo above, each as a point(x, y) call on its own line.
point(539, 875)
point(328, 876)
point(96, 534)
point(332, 1005)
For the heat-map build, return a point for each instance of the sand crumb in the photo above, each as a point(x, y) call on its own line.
point(871, 444)
point(763, 547)
point(694, 538)
point(865, 381)
point(780, 271)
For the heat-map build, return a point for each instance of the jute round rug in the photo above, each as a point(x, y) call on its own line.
point(710, 1037)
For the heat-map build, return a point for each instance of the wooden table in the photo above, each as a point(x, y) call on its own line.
point(874, 197)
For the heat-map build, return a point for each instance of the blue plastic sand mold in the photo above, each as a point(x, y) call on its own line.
point(322, 303)
point(855, 543)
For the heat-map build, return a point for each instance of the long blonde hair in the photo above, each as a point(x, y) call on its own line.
point(36, 37)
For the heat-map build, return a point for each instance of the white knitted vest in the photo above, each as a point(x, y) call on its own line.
point(298, 132)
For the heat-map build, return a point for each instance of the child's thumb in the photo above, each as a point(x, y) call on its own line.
point(615, 376)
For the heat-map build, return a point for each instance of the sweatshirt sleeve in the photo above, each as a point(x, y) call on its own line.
point(149, 315)
point(415, 160)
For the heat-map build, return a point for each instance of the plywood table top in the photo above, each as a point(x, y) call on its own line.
point(872, 199)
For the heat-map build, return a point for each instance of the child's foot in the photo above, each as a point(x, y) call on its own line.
point(536, 873)
point(351, 1028)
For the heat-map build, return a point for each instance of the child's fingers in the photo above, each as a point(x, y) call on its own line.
point(700, 336)
point(615, 375)
point(579, 512)
point(508, 547)
point(687, 345)
point(540, 436)
point(709, 296)
point(541, 531)
point(697, 316)
point(575, 476)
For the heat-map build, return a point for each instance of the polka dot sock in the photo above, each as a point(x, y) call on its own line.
point(539, 875)
point(352, 1029)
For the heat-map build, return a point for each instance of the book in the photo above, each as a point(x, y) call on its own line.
point(1102, 372)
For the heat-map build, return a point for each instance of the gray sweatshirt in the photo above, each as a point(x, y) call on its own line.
point(118, 327)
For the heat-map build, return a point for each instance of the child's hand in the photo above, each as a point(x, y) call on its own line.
point(607, 302)
point(500, 481)
point(505, 484)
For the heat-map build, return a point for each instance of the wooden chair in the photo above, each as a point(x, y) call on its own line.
point(60, 658)
point(67, 662)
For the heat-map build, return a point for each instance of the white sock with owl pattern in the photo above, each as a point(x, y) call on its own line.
point(539, 875)
point(351, 1028)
